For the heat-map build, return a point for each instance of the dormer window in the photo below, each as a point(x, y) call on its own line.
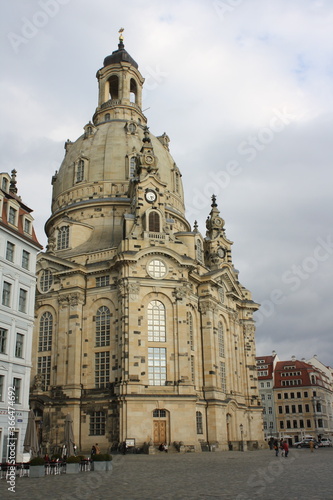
point(12, 216)
point(27, 226)
point(4, 184)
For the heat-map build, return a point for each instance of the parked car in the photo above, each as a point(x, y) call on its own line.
point(305, 443)
point(325, 442)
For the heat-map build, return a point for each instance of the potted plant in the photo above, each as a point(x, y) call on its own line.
point(73, 464)
point(102, 462)
point(37, 467)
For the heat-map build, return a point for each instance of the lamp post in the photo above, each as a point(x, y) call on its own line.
point(242, 442)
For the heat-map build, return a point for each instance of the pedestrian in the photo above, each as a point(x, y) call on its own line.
point(165, 448)
point(286, 448)
point(276, 447)
point(93, 450)
point(311, 444)
point(124, 448)
point(75, 449)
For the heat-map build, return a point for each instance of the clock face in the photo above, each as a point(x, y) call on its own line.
point(150, 196)
point(221, 252)
point(149, 159)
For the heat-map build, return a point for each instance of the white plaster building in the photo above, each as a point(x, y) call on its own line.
point(18, 250)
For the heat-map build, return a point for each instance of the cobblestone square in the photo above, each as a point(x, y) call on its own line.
point(227, 475)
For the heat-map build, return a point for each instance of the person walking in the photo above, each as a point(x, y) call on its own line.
point(276, 447)
point(285, 448)
point(311, 444)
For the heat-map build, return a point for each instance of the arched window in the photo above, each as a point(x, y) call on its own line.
point(80, 171)
point(190, 329)
point(154, 222)
point(199, 422)
point(103, 321)
point(107, 117)
point(114, 87)
point(220, 335)
point(199, 251)
point(156, 321)
point(133, 91)
point(63, 238)
point(46, 280)
point(45, 332)
point(132, 167)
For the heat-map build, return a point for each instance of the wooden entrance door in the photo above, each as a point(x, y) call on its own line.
point(159, 431)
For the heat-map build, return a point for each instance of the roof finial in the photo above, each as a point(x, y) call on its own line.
point(214, 204)
point(121, 38)
point(13, 182)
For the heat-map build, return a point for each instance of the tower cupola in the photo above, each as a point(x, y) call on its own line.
point(120, 87)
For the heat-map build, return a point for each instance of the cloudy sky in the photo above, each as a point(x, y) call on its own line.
point(244, 91)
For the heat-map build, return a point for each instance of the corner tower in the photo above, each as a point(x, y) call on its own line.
point(141, 333)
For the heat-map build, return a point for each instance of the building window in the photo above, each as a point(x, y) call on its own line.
point(299, 395)
point(192, 370)
point(262, 384)
point(10, 251)
point(80, 171)
point(3, 340)
point(156, 365)
point(301, 423)
point(199, 251)
point(2, 382)
point(220, 334)
point(292, 395)
point(320, 422)
point(265, 425)
point(103, 321)
point(269, 396)
point(154, 222)
point(45, 332)
point(159, 413)
point(308, 424)
point(102, 369)
point(293, 408)
point(190, 329)
point(17, 388)
point(6, 294)
point(270, 410)
point(97, 424)
point(63, 238)
point(107, 117)
point(279, 396)
point(295, 424)
point(132, 167)
point(156, 321)
point(25, 259)
point(268, 384)
point(307, 408)
point(222, 376)
point(102, 281)
point(286, 409)
point(157, 269)
point(300, 409)
point(280, 409)
point(271, 425)
point(12, 216)
point(4, 184)
point(46, 280)
point(306, 395)
point(263, 397)
point(281, 425)
point(23, 300)
point(27, 226)
point(44, 369)
point(199, 422)
point(19, 345)
point(286, 395)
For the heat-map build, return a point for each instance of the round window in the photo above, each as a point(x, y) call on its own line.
point(157, 269)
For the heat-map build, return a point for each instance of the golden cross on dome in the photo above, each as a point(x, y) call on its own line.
point(121, 38)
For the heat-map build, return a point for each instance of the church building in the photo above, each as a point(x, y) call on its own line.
point(143, 332)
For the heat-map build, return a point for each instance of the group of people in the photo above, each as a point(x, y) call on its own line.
point(163, 447)
point(95, 450)
point(278, 446)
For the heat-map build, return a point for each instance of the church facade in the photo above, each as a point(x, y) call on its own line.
point(143, 331)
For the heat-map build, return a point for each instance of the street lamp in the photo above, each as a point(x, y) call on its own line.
point(242, 442)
